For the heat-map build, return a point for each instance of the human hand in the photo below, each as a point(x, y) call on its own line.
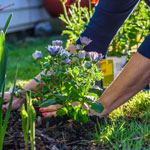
point(49, 111)
point(17, 102)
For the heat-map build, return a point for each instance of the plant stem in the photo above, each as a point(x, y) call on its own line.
point(90, 8)
point(65, 13)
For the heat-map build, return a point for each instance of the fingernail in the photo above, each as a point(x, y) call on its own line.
point(4, 109)
point(44, 114)
point(41, 109)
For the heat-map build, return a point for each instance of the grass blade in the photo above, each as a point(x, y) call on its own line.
point(7, 23)
point(9, 107)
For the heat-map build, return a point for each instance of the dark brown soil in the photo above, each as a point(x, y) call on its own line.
point(53, 134)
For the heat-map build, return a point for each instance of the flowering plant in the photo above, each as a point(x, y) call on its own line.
point(75, 17)
point(68, 79)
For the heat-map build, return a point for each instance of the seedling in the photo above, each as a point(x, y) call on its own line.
point(28, 122)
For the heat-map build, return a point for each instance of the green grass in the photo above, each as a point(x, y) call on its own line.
point(21, 55)
point(129, 128)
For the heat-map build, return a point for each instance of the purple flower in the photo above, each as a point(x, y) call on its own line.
point(57, 43)
point(37, 55)
point(64, 54)
point(95, 57)
point(66, 61)
point(79, 47)
point(11, 90)
point(54, 50)
point(88, 65)
point(82, 54)
point(85, 40)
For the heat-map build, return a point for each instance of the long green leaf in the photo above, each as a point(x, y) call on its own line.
point(3, 62)
point(3, 59)
point(48, 103)
point(9, 107)
point(7, 23)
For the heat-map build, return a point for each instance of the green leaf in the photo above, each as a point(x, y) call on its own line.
point(75, 71)
point(45, 89)
point(37, 80)
point(93, 94)
point(73, 83)
point(9, 108)
point(97, 107)
point(7, 23)
point(24, 117)
point(3, 59)
point(33, 113)
point(62, 98)
point(96, 90)
point(62, 111)
point(48, 103)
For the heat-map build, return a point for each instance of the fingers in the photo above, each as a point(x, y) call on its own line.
point(50, 110)
point(49, 114)
point(7, 96)
point(17, 103)
point(72, 49)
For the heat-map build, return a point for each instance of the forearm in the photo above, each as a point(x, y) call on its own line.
point(134, 77)
point(32, 85)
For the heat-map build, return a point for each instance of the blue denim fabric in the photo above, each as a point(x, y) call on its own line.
point(108, 17)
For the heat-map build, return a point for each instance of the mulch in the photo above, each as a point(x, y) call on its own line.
point(58, 133)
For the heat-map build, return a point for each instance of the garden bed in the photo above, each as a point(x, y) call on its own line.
point(53, 134)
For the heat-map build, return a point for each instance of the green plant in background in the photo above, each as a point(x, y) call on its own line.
point(75, 20)
point(3, 66)
point(132, 33)
point(71, 77)
point(28, 122)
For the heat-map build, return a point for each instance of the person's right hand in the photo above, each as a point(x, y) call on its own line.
point(17, 102)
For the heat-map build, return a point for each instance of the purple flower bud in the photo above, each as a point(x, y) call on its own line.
point(95, 57)
point(66, 61)
point(85, 40)
point(37, 55)
point(11, 90)
point(88, 65)
point(57, 43)
point(79, 47)
point(82, 54)
point(65, 54)
point(54, 50)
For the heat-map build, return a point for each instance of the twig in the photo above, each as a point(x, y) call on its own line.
point(6, 7)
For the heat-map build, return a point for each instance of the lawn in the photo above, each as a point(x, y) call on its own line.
point(129, 127)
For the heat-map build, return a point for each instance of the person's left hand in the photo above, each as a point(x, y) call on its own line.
point(17, 102)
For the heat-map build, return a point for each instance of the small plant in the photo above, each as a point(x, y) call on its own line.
point(3, 66)
point(67, 80)
point(28, 122)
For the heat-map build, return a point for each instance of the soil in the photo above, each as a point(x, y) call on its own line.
point(53, 134)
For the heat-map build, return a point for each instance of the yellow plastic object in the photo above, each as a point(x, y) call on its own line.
point(108, 72)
